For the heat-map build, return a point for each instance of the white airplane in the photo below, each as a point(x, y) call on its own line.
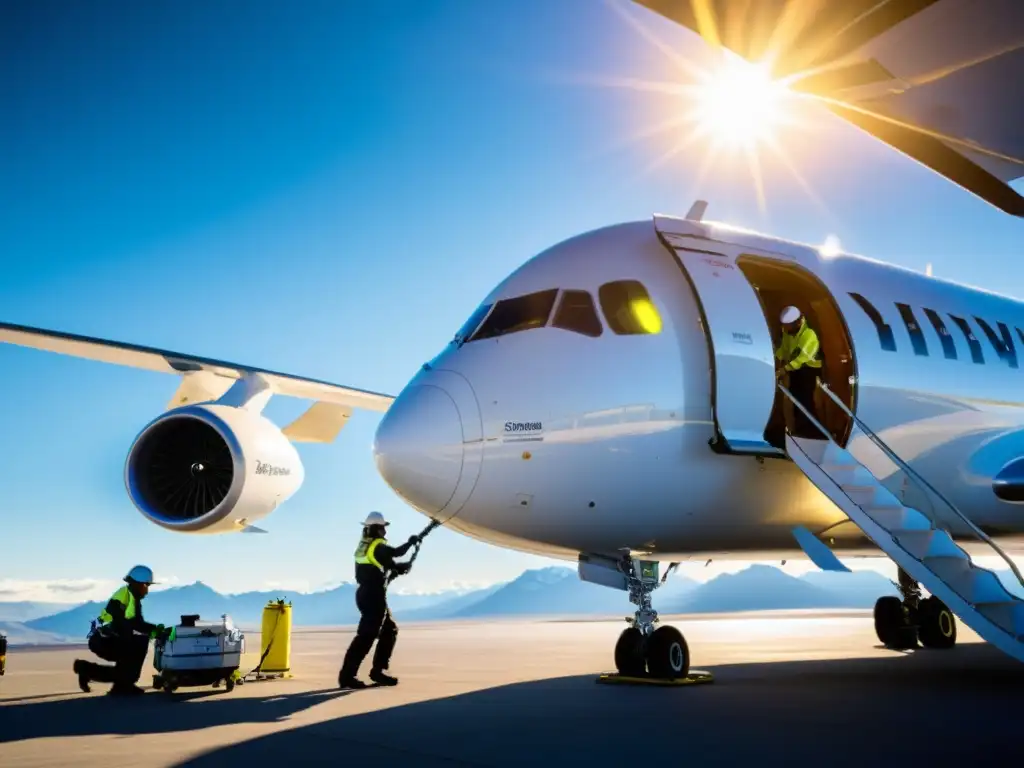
point(609, 403)
point(614, 402)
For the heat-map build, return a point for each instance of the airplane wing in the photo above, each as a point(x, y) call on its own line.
point(938, 80)
point(204, 379)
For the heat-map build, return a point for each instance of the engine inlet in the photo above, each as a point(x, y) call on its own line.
point(182, 469)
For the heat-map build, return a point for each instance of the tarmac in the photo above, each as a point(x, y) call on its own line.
point(793, 688)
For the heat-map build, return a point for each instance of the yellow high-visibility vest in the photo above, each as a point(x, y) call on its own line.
point(125, 597)
point(365, 550)
point(805, 343)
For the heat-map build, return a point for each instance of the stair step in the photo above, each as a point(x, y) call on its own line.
point(898, 519)
point(875, 495)
point(1006, 614)
point(833, 454)
point(973, 584)
point(849, 474)
point(930, 543)
point(815, 449)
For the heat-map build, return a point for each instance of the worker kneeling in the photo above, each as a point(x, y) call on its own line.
point(121, 635)
point(374, 560)
point(799, 356)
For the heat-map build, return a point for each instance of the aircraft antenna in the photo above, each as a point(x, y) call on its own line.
point(696, 212)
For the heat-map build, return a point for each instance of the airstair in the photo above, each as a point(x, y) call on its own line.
point(916, 538)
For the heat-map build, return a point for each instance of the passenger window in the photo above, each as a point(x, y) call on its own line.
point(519, 314)
point(471, 325)
point(628, 308)
point(576, 312)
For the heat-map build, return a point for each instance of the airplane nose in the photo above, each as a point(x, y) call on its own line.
point(418, 447)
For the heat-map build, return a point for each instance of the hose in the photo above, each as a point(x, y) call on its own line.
point(415, 552)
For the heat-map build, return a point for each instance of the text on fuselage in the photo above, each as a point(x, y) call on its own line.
point(1002, 342)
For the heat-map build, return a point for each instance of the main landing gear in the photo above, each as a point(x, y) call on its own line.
point(642, 650)
point(900, 624)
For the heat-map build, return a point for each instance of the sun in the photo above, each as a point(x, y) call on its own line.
point(737, 104)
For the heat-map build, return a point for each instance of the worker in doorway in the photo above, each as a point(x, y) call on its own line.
point(799, 356)
point(121, 635)
point(374, 561)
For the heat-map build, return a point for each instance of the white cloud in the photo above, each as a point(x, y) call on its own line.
point(72, 591)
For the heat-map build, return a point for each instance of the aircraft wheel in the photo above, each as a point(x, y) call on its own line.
point(630, 653)
point(937, 624)
point(668, 656)
point(891, 624)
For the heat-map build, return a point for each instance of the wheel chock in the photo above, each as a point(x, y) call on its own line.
point(695, 677)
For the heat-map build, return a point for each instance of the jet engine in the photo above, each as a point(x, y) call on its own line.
point(209, 468)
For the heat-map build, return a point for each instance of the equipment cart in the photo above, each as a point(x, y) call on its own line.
point(199, 653)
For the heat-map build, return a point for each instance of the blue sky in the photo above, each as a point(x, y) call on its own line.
point(329, 189)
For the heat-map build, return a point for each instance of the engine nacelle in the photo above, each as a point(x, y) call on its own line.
point(210, 468)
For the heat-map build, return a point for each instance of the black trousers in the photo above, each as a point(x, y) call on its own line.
point(802, 383)
point(127, 652)
point(375, 623)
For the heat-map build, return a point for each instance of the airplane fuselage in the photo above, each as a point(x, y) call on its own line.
point(560, 430)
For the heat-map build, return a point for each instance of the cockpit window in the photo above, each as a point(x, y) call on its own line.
point(576, 312)
point(471, 325)
point(518, 314)
point(628, 308)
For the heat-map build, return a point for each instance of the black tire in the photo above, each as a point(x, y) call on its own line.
point(891, 624)
point(668, 656)
point(630, 653)
point(937, 627)
point(229, 685)
point(158, 682)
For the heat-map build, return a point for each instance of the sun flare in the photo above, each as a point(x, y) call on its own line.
point(738, 104)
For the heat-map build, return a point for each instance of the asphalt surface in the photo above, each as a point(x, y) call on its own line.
point(789, 690)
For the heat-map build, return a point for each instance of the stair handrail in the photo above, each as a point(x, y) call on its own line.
point(913, 473)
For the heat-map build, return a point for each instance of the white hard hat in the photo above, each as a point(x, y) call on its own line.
point(789, 315)
point(375, 518)
point(140, 573)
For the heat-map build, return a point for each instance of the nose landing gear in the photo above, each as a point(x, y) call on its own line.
point(642, 650)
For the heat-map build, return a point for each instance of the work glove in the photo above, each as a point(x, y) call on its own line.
point(413, 540)
point(402, 568)
point(157, 632)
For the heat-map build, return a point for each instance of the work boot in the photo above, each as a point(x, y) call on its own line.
point(350, 681)
point(125, 690)
point(82, 670)
point(380, 678)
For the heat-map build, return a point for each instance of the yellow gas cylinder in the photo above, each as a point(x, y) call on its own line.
point(276, 638)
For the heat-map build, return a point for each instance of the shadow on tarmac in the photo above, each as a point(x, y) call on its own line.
point(155, 712)
point(919, 708)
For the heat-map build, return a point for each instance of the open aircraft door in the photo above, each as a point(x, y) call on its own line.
point(739, 340)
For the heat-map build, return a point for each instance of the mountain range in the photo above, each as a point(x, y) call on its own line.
point(554, 591)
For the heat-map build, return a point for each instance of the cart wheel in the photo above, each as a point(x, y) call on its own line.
point(229, 685)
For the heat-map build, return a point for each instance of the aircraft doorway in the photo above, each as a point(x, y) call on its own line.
point(779, 284)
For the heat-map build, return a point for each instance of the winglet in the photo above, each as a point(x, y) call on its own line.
point(818, 551)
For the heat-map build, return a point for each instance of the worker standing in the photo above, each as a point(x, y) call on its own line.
point(799, 355)
point(121, 635)
point(374, 559)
